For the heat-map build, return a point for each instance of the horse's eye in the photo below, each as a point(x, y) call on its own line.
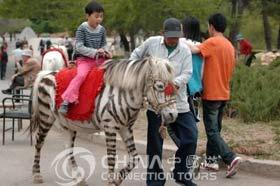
point(159, 86)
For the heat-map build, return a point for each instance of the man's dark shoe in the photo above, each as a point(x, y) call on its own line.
point(186, 183)
point(7, 91)
point(182, 181)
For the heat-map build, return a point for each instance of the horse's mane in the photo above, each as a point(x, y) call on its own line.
point(131, 75)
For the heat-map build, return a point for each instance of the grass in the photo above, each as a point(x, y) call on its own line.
point(259, 140)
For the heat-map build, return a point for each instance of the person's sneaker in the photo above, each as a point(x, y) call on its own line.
point(63, 109)
point(210, 166)
point(195, 168)
point(232, 169)
point(7, 91)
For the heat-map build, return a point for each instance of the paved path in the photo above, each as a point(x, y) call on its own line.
point(16, 159)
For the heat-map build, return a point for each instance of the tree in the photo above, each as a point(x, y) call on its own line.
point(278, 38)
point(266, 26)
point(268, 9)
point(55, 15)
point(273, 9)
point(15, 25)
point(128, 17)
point(237, 10)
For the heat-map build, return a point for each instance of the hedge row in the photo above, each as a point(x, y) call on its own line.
point(256, 92)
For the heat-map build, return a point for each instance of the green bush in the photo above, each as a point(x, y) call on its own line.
point(256, 92)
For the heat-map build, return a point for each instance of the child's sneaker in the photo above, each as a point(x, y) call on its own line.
point(232, 169)
point(63, 109)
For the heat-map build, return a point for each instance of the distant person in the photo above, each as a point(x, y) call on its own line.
point(27, 75)
point(11, 36)
point(17, 43)
point(2, 40)
point(219, 56)
point(3, 62)
point(48, 44)
point(25, 41)
point(42, 47)
point(69, 47)
point(25, 45)
point(246, 49)
point(90, 42)
point(5, 45)
point(31, 48)
point(17, 54)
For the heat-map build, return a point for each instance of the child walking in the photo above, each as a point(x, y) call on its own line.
point(90, 42)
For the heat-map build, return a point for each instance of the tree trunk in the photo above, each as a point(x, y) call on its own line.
point(237, 10)
point(132, 40)
point(266, 26)
point(233, 31)
point(278, 39)
point(124, 41)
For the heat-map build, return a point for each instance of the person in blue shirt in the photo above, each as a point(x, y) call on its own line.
point(192, 35)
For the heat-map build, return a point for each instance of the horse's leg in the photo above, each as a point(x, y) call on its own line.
point(72, 141)
point(128, 139)
point(44, 127)
point(111, 154)
point(73, 163)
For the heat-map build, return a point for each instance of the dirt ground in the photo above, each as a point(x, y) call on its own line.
point(255, 139)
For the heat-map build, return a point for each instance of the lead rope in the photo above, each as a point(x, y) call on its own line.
point(163, 130)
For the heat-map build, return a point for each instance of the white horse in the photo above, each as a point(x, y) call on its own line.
point(53, 60)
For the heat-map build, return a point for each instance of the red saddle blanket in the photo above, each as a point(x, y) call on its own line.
point(90, 88)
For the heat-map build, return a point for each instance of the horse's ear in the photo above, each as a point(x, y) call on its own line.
point(146, 60)
point(149, 59)
point(169, 68)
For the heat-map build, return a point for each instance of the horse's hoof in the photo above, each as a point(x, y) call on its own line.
point(82, 183)
point(114, 184)
point(37, 179)
point(111, 184)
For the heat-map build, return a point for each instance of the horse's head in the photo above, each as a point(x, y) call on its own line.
point(160, 89)
point(62, 48)
point(153, 77)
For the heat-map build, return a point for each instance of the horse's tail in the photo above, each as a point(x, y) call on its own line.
point(34, 124)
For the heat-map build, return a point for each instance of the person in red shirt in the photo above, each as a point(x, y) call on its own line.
point(246, 49)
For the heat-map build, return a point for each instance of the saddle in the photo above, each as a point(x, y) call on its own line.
point(89, 90)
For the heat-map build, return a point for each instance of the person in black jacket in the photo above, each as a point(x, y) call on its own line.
point(3, 62)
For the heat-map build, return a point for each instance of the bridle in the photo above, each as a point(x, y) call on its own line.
point(156, 105)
